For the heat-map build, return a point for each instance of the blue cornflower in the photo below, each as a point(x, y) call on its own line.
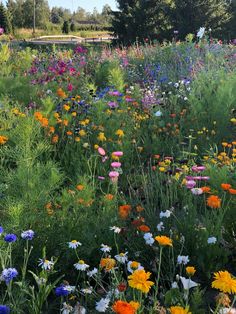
point(28, 235)
point(4, 309)
point(1, 230)
point(8, 274)
point(10, 237)
point(61, 291)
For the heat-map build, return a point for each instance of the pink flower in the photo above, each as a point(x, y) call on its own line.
point(114, 176)
point(198, 168)
point(101, 151)
point(117, 154)
point(116, 164)
point(70, 87)
point(190, 184)
point(101, 178)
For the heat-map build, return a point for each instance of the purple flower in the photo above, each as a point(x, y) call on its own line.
point(10, 238)
point(1, 230)
point(8, 274)
point(113, 104)
point(28, 235)
point(4, 309)
point(1, 31)
point(61, 291)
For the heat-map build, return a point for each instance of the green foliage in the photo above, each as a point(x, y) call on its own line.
point(5, 21)
point(65, 27)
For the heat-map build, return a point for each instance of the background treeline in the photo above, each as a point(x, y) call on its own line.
point(135, 20)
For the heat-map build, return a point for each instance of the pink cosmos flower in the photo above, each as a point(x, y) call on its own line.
point(198, 168)
point(114, 176)
point(116, 164)
point(101, 178)
point(117, 154)
point(197, 191)
point(190, 184)
point(101, 151)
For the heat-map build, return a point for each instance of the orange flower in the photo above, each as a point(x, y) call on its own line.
point(122, 307)
point(139, 280)
point(214, 201)
point(232, 191)
point(143, 228)
point(69, 133)
point(55, 139)
point(109, 197)
point(139, 208)
point(190, 270)
point(38, 115)
point(3, 139)
point(206, 189)
point(225, 186)
point(124, 211)
point(44, 122)
point(164, 241)
point(135, 305)
point(80, 187)
point(138, 222)
point(122, 287)
point(107, 263)
point(51, 130)
point(61, 93)
point(65, 122)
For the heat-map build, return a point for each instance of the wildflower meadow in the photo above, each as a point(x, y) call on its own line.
point(118, 179)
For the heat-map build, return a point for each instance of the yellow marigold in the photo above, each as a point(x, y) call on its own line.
point(3, 139)
point(214, 201)
point(190, 270)
point(66, 107)
point(107, 263)
point(139, 280)
point(135, 305)
point(164, 241)
point(122, 307)
point(82, 133)
point(101, 137)
point(56, 115)
point(74, 114)
point(120, 133)
point(179, 310)
point(224, 282)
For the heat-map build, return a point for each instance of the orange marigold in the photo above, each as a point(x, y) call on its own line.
point(143, 228)
point(232, 191)
point(109, 197)
point(206, 189)
point(139, 208)
point(225, 186)
point(107, 263)
point(214, 201)
point(124, 211)
point(122, 307)
point(164, 241)
point(179, 310)
point(80, 187)
point(3, 139)
point(55, 139)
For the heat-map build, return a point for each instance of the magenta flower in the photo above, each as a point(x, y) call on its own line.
point(69, 87)
point(1, 31)
point(190, 184)
point(198, 168)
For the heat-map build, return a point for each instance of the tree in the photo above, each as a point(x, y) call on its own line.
point(141, 19)
point(72, 27)
point(106, 14)
point(189, 15)
point(65, 27)
point(5, 21)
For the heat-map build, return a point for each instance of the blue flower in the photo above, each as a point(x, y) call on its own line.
point(10, 237)
point(1, 230)
point(8, 274)
point(61, 291)
point(4, 309)
point(28, 235)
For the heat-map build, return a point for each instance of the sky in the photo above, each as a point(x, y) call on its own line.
point(88, 5)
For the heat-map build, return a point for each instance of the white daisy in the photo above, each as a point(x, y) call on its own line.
point(211, 240)
point(74, 244)
point(88, 290)
point(93, 272)
point(115, 229)
point(165, 214)
point(81, 265)
point(148, 238)
point(122, 257)
point(45, 264)
point(105, 248)
point(160, 226)
point(181, 259)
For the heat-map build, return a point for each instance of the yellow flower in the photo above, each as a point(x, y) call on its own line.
point(179, 310)
point(96, 146)
point(66, 107)
point(139, 280)
point(190, 270)
point(135, 305)
point(74, 114)
point(3, 139)
point(77, 139)
point(101, 137)
point(107, 263)
point(164, 241)
point(82, 133)
point(224, 282)
point(120, 133)
point(162, 169)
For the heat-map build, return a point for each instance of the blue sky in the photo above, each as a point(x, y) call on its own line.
point(88, 5)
